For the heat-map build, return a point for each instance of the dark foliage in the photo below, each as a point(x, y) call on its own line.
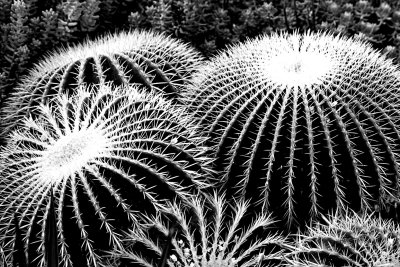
point(29, 28)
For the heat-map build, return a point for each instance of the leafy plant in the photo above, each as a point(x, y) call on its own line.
point(302, 124)
point(110, 155)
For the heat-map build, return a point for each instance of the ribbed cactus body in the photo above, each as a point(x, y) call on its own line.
point(155, 61)
point(109, 155)
point(348, 240)
point(205, 233)
point(302, 124)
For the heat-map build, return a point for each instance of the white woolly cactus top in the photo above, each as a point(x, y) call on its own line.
point(69, 137)
point(302, 123)
point(113, 153)
point(295, 60)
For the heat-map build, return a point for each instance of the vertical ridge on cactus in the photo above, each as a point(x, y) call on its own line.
point(110, 155)
point(18, 253)
point(207, 235)
point(155, 61)
point(348, 239)
point(302, 123)
point(51, 235)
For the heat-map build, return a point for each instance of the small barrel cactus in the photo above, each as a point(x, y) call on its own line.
point(205, 233)
point(155, 61)
point(108, 155)
point(302, 123)
point(348, 240)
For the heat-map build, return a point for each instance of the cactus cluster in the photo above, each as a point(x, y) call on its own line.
point(206, 233)
point(197, 159)
point(302, 123)
point(154, 61)
point(348, 239)
point(109, 155)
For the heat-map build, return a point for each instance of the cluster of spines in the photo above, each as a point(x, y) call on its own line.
point(302, 146)
point(154, 61)
point(147, 152)
point(348, 239)
point(305, 144)
point(206, 232)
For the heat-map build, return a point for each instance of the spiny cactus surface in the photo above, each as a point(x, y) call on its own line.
point(109, 155)
point(302, 123)
point(207, 234)
point(348, 239)
point(155, 61)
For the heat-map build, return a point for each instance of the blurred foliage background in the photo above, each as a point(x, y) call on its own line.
point(32, 28)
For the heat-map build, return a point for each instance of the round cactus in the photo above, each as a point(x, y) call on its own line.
point(204, 233)
point(302, 123)
point(155, 61)
point(348, 240)
point(108, 155)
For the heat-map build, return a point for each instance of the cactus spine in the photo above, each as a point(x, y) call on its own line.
point(110, 155)
point(302, 123)
point(348, 240)
point(207, 235)
point(155, 61)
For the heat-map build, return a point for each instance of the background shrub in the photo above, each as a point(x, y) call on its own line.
point(28, 28)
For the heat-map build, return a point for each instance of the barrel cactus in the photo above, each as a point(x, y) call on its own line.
point(348, 239)
point(302, 123)
point(155, 61)
point(108, 155)
point(205, 233)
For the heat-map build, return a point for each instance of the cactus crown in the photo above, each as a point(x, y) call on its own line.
point(302, 123)
point(208, 235)
point(348, 239)
point(115, 153)
point(155, 61)
point(296, 62)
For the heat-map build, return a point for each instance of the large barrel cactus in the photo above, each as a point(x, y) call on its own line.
point(302, 123)
point(155, 61)
point(205, 233)
point(108, 155)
